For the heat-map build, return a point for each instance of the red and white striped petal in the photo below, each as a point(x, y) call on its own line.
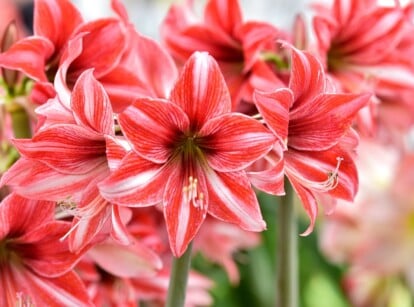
point(123, 87)
point(232, 200)
point(185, 206)
point(116, 149)
point(36, 180)
point(270, 180)
point(19, 215)
point(91, 214)
point(307, 76)
point(43, 251)
point(136, 183)
point(66, 148)
point(119, 231)
point(65, 290)
point(308, 201)
point(91, 105)
point(151, 126)
point(103, 47)
point(157, 69)
point(331, 171)
point(319, 124)
point(274, 108)
point(201, 90)
point(233, 141)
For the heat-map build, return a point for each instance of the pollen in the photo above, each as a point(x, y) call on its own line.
point(191, 194)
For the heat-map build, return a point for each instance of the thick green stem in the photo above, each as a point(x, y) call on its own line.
point(178, 279)
point(287, 252)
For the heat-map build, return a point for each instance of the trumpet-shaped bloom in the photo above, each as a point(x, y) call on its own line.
point(314, 127)
point(35, 265)
point(66, 159)
point(189, 153)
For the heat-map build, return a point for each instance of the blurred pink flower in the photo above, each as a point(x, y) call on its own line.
point(364, 48)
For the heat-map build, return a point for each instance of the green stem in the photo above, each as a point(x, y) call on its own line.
point(287, 252)
point(178, 279)
point(21, 124)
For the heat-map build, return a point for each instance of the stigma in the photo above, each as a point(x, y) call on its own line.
point(191, 195)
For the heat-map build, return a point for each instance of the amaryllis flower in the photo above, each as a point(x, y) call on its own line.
point(35, 265)
point(235, 44)
point(189, 153)
point(363, 46)
point(66, 158)
point(314, 127)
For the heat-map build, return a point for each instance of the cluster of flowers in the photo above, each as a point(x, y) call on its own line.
point(139, 148)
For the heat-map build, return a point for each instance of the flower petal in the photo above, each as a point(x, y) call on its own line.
point(307, 76)
point(103, 46)
point(66, 148)
point(234, 141)
point(19, 215)
point(137, 182)
point(320, 123)
point(185, 206)
point(225, 15)
point(119, 231)
point(56, 20)
point(135, 260)
point(65, 290)
point(332, 172)
point(44, 252)
point(28, 55)
point(91, 104)
point(157, 69)
point(270, 180)
point(123, 87)
point(309, 203)
point(151, 126)
point(201, 90)
point(116, 149)
point(233, 200)
point(274, 108)
point(92, 212)
point(36, 180)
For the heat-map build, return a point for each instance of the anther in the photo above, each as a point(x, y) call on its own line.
point(191, 194)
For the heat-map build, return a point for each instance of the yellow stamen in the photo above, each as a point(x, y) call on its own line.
point(191, 195)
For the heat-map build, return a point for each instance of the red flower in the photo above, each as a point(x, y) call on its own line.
point(189, 153)
point(66, 159)
point(234, 43)
point(35, 265)
point(314, 126)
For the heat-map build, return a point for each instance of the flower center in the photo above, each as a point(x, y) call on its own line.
point(191, 195)
point(7, 254)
